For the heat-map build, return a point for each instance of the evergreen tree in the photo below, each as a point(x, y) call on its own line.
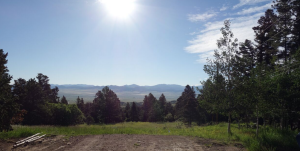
point(43, 81)
point(99, 105)
point(246, 58)
point(285, 25)
point(146, 108)
point(64, 100)
point(296, 25)
point(88, 109)
point(162, 103)
point(8, 106)
point(53, 98)
point(51, 95)
point(266, 48)
point(170, 109)
point(19, 90)
point(179, 108)
point(31, 97)
point(152, 100)
point(112, 108)
point(190, 108)
point(246, 61)
point(156, 113)
point(187, 106)
point(107, 107)
point(127, 112)
point(80, 103)
point(134, 113)
point(191, 112)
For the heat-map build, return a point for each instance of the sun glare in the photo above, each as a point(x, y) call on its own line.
point(119, 8)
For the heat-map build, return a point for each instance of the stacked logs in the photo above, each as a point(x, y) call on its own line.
point(29, 139)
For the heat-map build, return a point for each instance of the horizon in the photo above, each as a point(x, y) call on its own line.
point(127, 85)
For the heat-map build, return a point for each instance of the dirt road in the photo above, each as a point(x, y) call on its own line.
point(117, 142)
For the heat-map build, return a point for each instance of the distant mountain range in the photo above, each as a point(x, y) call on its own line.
point(126, 93)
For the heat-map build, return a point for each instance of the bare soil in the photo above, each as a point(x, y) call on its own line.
point(118, 142)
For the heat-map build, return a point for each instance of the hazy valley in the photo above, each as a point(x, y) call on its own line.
point(126, 93)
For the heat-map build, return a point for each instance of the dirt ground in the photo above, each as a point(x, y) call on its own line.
point(118, 142)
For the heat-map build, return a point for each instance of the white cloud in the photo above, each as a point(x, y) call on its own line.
point(205, 42)
point(223, 8)
point(204, 56)
point(249, 2)
point(201, 17)
point(255, 9)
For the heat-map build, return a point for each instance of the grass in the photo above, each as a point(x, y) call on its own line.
point(269, 138)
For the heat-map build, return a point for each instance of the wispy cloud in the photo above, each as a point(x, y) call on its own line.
point(223, 8)
point(248, 2)
point(204, 56)
point(205, 42)
point(201, 17)
point(254, 9)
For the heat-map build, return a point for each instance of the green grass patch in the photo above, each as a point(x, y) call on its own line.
point(269, 138)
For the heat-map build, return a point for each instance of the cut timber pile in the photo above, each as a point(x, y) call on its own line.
point(29, 139)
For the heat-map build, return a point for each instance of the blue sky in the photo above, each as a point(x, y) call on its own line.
point(81, 42)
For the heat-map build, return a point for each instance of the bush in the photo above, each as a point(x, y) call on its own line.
point(77, 116)
point(89, 120)
point(169, 118)
point(65, 115)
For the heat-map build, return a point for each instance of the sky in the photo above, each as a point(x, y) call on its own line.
point(119, 42)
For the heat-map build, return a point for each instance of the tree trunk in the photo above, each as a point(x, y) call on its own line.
point(217, 118)
point(281, 119)
point(292, 124)
point(256, 121)
point(229, 120)
point(247, 122)
point(298, 125)
point(239, 123)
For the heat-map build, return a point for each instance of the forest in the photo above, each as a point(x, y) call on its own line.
point(249, 82)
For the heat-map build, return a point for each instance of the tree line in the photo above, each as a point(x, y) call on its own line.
point(258, 80)
point(34, 102)
point(106, 108)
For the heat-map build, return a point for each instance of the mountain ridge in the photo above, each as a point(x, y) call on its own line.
point(126, 93)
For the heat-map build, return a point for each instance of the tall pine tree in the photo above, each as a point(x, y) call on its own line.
point(8, 106)
point(134, 116)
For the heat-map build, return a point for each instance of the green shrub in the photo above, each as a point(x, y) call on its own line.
point(65, 115)
point(89, 120)
point(169, 118)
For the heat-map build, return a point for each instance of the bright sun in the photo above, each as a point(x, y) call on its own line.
point(119, 8)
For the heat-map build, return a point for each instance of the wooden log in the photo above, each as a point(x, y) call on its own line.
point(34, 139)
point(27, 138)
